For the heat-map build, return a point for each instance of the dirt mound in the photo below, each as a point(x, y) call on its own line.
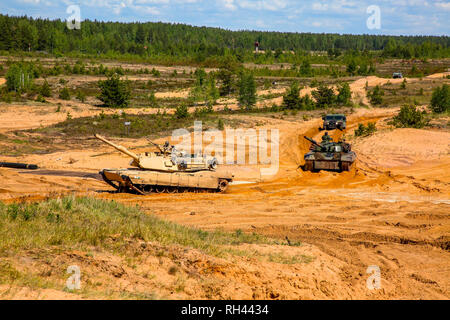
point(403, 147)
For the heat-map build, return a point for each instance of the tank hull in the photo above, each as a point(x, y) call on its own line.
point(146, 182)
point(316, 161)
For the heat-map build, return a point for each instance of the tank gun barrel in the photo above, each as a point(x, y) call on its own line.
point(18, 165)
point(119, 148)
point(312, 141)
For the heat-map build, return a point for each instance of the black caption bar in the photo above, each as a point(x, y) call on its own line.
point(198, 310)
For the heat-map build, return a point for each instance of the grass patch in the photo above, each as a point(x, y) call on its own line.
point(32, 145)
point(296, 259)
point(9, 274)
point(141, 125)
point(83, 223)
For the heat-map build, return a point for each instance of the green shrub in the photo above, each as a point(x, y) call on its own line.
point(45, 90)
point(351, 67)
point(324, 96)
point(314, 83)
point(247, 90)
point(151, 98)
point(156, 73)
point(220, 125)
point(410, 117)
point(40, 98)
point(291, 100)
point(344, 94)
point(440, 101)
point(364, 131)
point(64, 94)
point(403, 85)
point(81, 96)
point(227, 81)
point(114, 93)
point(376, 96)
point(182, 111)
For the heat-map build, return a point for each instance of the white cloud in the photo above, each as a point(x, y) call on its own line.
point(271, 5)
point(147, 10)
point(320, 6)
point(36, 2)
point(229, 4)
point(443, 5)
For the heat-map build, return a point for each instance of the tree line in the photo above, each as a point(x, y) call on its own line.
point(198, 44)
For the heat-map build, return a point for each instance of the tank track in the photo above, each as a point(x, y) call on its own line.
point(129, 187)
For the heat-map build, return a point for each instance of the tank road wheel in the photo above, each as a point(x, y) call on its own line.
point(223, 185)
point(345, 166)
point(146, 189)
point(309, 165)
point(160, 189)
point(172, 190)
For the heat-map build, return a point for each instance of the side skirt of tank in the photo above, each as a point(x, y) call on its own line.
point(124, 184)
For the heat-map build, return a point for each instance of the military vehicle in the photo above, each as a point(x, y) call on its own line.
point(329, 155)
point(334, 121)
point(397, 75)
point(167, 170)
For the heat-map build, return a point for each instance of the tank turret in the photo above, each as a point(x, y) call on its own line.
point(167, 159)
point(329, 155)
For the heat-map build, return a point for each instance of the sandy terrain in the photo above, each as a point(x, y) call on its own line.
point(391, 210)
point(359, 91)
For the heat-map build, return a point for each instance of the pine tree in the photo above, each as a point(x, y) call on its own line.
point(64, 94)
point(114, 93)
point(324, 96)
point(344, 94)
point(141, 35)
point(305, 68)
point(440, 101)
point(292, 99)
point(45, 89)
point(376, 96)
point(247, 90)
point(227, 82)
point(212, 91)
point(351, 67)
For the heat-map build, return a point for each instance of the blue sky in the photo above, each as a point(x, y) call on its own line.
point(398, 17)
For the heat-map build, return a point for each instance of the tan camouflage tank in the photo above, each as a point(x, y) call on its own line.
point(167, 170)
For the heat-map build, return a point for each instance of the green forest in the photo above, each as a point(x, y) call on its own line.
point(164, 42)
